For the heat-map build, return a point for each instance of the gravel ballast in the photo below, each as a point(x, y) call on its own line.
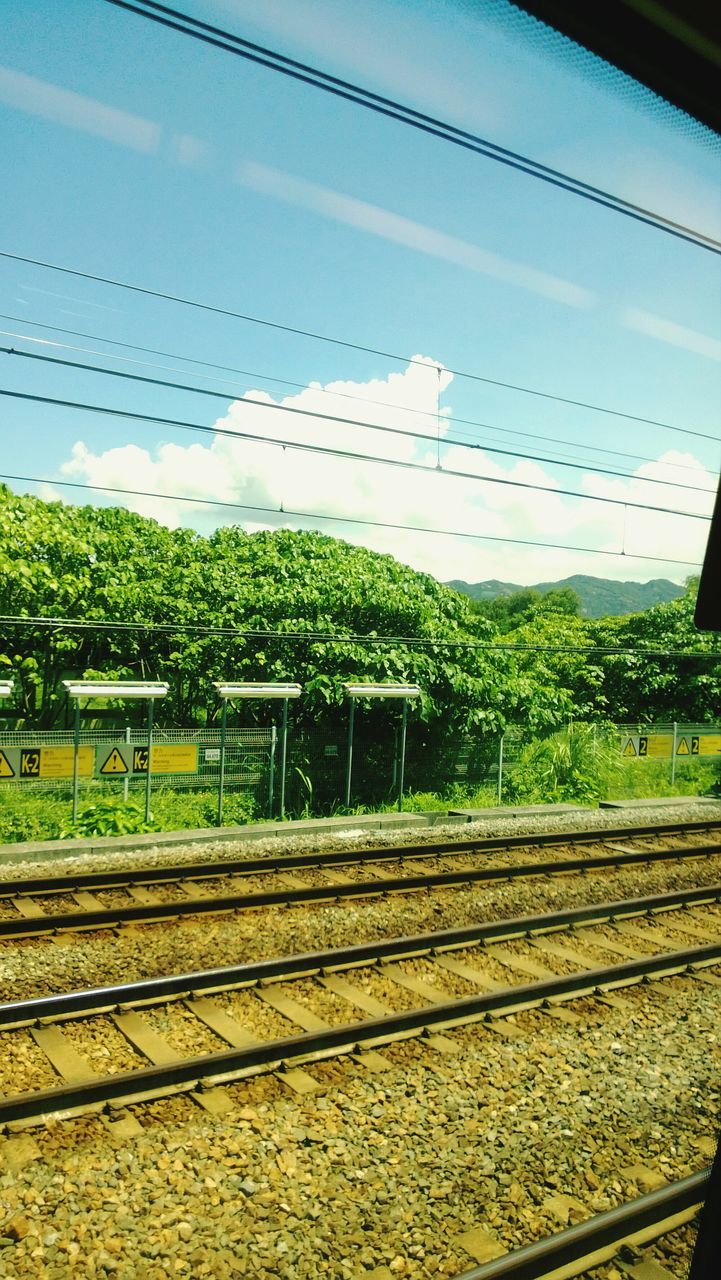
point(318, 841)
point(39, 966)
point(379, 1174)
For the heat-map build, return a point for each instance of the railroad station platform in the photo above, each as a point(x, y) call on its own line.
point(371, 822)
point(657, 802)
point(392, 821)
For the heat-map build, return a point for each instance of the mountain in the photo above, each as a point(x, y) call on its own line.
point(599, 596)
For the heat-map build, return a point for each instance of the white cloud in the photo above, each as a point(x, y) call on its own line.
point(390, 226)
point(262, 473)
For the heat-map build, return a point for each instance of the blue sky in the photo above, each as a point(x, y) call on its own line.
point(136, 153)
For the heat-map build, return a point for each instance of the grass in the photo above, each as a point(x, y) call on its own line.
point(581, 764)
point(48, 815)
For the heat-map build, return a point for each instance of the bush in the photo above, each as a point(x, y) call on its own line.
point(108, 816)
point(576, 765)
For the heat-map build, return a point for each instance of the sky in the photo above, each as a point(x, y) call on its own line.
point(444, 279)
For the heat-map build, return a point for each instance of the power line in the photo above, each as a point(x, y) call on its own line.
point(349, 346)
point(273, 61)
point(326, 637)
point(301, 386)
point(348, 454)
point(282, 510)
point(447, 442)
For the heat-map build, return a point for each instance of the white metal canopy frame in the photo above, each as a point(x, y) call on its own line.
point(228, 692)
point(405, 692)
point(147, 689)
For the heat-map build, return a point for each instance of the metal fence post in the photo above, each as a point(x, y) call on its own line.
point(126, 780)
point(349, 762)
point(404, 723)
point(150, 752)
point(271, 779)
point(673, 754)
point(500, 768)
point(76, 750)
point(221, 777)
point(283, 757)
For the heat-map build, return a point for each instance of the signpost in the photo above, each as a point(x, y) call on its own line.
point(134, 689)
point(120, 760)
point(228, 693)
point(403, 691)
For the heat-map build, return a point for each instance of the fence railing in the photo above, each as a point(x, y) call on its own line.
point(483, 763)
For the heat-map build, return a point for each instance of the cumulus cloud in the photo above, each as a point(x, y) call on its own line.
point(266, 466)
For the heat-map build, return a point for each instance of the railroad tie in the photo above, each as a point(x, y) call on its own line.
point(87, 901)
point(70, 1065)
point(143, 1038)
point(28, 907)
point(433, 995)
point(304, 1017)
point(144, 897)
point(506, 1030)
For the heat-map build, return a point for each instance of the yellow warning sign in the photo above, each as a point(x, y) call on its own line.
point(6, 769)
point(629, 749)
point(683, 748)
point(55, 762)
point(659, 746)
point(709, 744)
point(114, 763)
point(181, 757)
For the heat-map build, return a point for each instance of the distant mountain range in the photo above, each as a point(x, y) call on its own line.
point(599, 596)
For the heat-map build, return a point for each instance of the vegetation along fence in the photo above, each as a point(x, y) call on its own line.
point(582, 762)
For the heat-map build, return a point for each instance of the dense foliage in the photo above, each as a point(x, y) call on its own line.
point(106, 565)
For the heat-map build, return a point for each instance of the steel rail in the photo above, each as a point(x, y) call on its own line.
point(111, 917)
point(590, 1243)
point(338, 857)
point(254, 973)
point(228, 1064)
point(262, 866)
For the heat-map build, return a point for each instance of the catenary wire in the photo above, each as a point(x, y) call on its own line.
point(230, 43)
point(300, 386)
point(282, 510)
point(350, 455)
point(326, 637)
point(445, 442)
point(342, 342)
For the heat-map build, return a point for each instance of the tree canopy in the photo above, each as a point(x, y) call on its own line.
point(269, 595)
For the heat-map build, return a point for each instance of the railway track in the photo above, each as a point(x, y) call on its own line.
point(29, 907)
point(138, 1014)
point(597, 1240)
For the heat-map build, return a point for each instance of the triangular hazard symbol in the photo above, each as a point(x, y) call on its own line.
point(6, 769)
point(683, 748)
point(114, 763)
point(629, 749)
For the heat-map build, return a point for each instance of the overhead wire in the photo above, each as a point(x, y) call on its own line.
point(351, 455)
point(326, 637)
point(300, 386)
point(344, 343)
point(436, 439)
point(388, 107)
point(292, 513)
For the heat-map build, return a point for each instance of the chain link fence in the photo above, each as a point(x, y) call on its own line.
point(481, 769)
